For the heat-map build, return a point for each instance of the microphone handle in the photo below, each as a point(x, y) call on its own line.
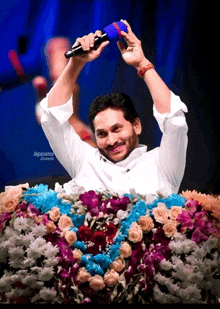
point(77, 50)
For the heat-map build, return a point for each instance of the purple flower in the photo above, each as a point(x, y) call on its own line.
point(5, 216)
point(191, 205)
point(197, 236)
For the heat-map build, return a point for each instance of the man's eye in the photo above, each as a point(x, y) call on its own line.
point(101, 134)
point(117, 129)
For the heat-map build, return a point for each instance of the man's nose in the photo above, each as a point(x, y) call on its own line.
point(112, 139)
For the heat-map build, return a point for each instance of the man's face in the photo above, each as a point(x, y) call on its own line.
point(115, 136)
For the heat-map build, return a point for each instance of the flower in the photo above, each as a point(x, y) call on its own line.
point(77, 254)
point(54, 214)
point(170, 228)
point(83, 275)
point(105, 248)
point(111, 277)
point(125, 249)
point(135, 232)
point(70, 237)
point(118, 265)
point(146, 223)
point(65, 222)
point(174, 212)
point(160, 213)
point(84, 233)
point(97, 283)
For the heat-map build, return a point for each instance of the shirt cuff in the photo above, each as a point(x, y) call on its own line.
point(175, 105)
point(62, 112)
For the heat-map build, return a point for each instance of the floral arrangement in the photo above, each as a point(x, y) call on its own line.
point(98, 247)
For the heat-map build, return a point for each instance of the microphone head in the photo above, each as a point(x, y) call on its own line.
point(114, 29)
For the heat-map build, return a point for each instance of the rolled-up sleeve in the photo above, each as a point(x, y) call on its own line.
point(65, 143)
point(173, 146)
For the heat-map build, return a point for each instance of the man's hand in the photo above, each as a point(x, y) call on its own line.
point(133, 54)
point(87, 43)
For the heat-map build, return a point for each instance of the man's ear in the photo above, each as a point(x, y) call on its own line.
point(137, 126)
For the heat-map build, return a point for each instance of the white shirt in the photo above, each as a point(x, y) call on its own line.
point(160, 169)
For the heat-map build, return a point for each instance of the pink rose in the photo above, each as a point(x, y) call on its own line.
point(65, 222)
point(170, 228)
point(125, 250)
point(97, 283)
point(161, 213)
point(118, 264)
point(50, 226)
point(77, 254)
point(54, 214)
point(70, 237)
point(146, 223)
point(111, 278)
point(135, 233)
point(174, 212)
point(83, 275)
point(10, 199)
point(8, 203)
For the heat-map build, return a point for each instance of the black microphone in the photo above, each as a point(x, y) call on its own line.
point(110, 33)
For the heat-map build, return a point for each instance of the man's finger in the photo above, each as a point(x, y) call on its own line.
point(121, 47)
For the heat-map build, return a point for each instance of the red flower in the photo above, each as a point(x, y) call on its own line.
point(99, 238)
point(84, 233)
point(110, 230)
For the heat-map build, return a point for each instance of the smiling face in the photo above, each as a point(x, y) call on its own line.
point(115, 136)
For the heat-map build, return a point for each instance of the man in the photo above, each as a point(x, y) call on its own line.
point(118, 163)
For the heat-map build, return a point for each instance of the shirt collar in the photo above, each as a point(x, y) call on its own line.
point(136, 153)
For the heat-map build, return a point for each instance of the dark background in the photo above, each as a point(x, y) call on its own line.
point(179, 37)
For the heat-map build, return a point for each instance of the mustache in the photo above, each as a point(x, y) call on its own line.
point(111, 147)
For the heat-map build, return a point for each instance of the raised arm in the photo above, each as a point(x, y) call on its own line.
point(134, 55)
point(63, 88)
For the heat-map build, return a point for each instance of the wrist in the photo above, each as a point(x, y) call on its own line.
point(143, 63)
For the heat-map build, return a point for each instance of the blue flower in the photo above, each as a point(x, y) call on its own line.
point(80, 245)
point(94, 269)
point(103, 260)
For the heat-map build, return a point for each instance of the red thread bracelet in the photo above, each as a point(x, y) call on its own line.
point(145, 69)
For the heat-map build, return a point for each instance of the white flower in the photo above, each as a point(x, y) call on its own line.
point(51, 262)
point(58, 188)
point(29, 280)
point(166, 265)
point(122, 214)
point(16, 253)
point(47, 293)
point(27, 262)
point(35, 249)
point(20, 224)
point(50, 251)
point(39, 230)
point(15, 263)
point(46, 274)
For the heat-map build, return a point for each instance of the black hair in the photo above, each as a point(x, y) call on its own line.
point(115, 101)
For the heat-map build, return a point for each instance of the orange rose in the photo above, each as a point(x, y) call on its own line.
point(10, 199)
point(111, 278)
point(54, 214)
point(125, 249)
point(118, 264)
point(160, 213)
point(135, 233)
point(7, 203)
point(175, 211)
point(97, 283)
point(77, 254)
point(146, 223)
point(51, 227)
point(70, 237)
point(83, 275)
point(65, 222)
point(170, 228)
